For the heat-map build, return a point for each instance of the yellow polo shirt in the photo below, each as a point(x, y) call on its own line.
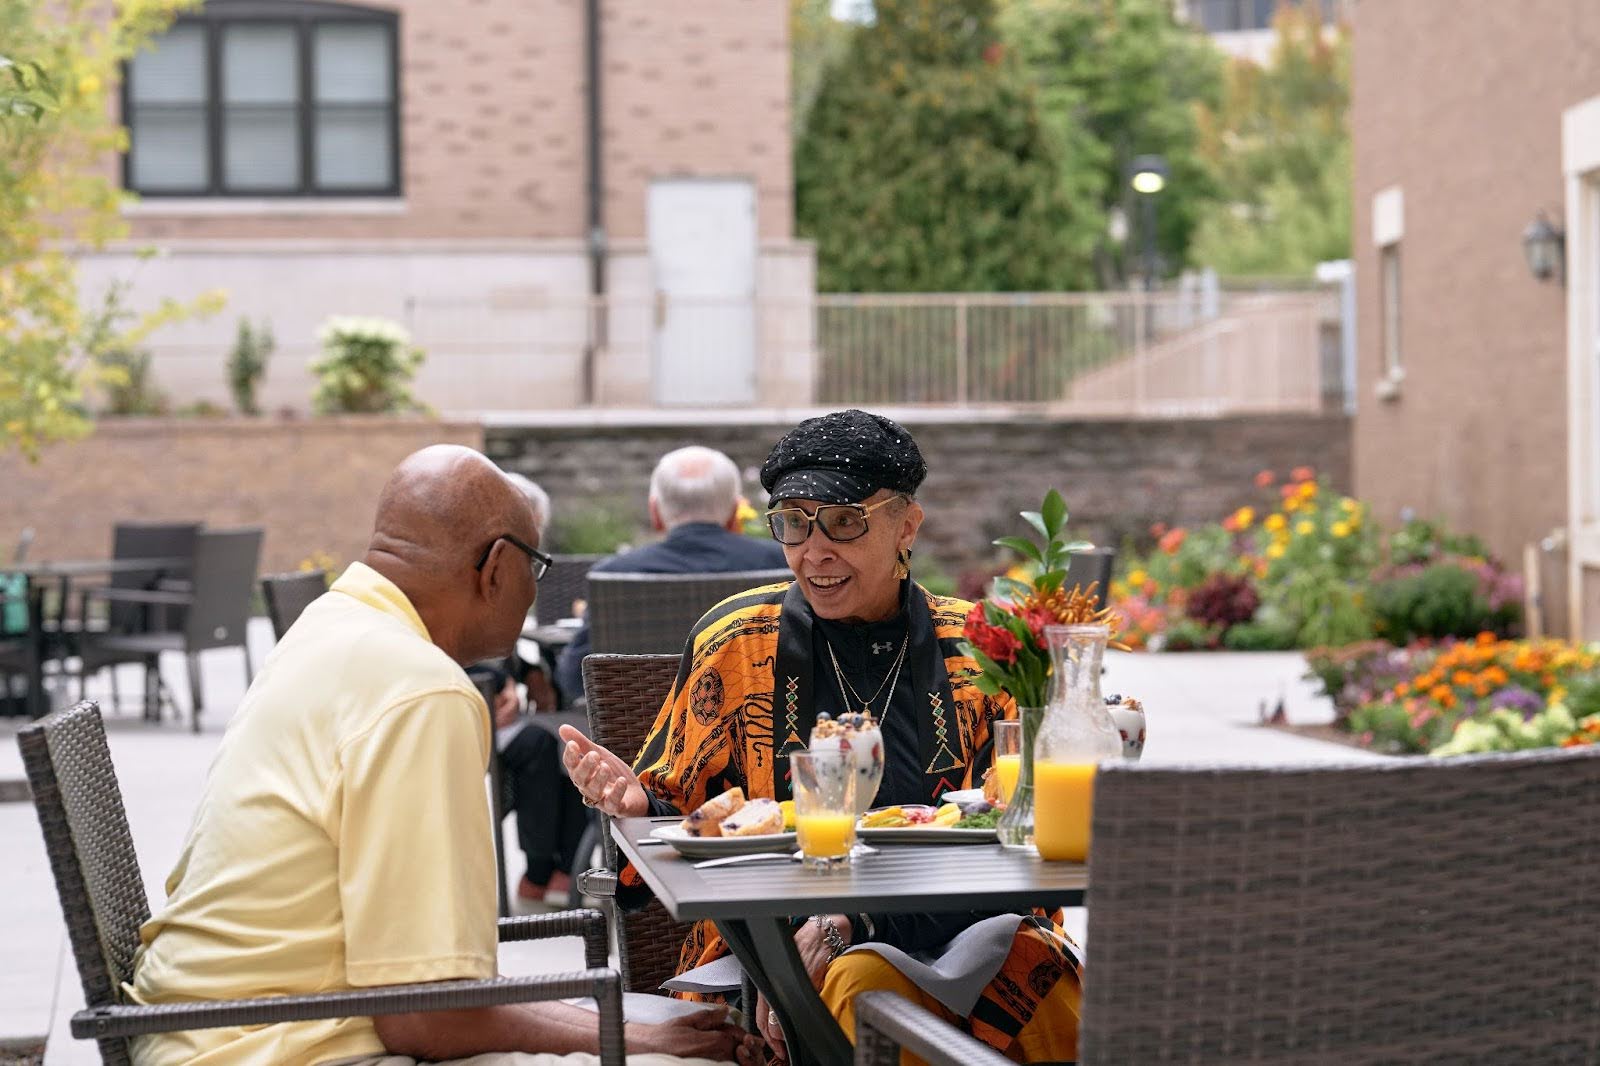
point(342, 840)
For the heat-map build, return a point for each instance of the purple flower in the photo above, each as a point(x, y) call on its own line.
point(1516, 698)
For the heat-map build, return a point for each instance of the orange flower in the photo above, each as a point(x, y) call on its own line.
point(1264, 479)
point(1440, 693)
point(1403, 689)
point(1302, 473)
point(1462, 678)
point(1158, 529)
point(1231, 523)
point(1172, 540)
point(1485, 637)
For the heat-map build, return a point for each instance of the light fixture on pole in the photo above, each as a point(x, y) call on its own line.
point(1147, 175)
point(1545, 246)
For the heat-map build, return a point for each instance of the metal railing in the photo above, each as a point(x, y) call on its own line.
point(1091, 353)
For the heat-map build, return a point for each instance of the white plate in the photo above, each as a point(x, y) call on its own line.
point(716, 847)
point(964, 795)
point(925, 834)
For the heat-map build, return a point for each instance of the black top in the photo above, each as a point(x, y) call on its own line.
point(691, 548)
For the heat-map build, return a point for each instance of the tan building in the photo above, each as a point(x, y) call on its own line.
point(429, 161)
point(1477, 379)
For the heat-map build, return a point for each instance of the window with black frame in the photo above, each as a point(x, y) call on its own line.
point(263, 98)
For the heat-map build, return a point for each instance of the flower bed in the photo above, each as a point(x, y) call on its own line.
point(1484, 694)
point(1306, 567)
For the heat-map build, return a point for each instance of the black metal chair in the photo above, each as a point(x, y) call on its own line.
point(1092, 567)
point(102, 897)
point(289, 594)
point(644, 614)
point(217, 611)
point(95, 644)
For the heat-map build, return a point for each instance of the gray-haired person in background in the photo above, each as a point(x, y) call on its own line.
point(694, 499)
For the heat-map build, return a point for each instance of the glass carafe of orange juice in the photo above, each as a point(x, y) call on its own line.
point(1077, 733)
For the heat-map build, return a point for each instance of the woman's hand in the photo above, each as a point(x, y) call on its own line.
point(703, 1034)
point(771, 1031)
point(605, 781)
point(814, 949)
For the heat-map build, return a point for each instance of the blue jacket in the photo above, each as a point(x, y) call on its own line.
point(692, 548)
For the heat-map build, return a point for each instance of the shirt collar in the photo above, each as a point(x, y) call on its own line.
point(368, 586)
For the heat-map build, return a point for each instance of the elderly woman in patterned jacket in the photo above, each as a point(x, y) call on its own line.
point(852, 631)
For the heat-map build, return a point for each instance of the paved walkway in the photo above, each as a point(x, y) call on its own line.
point(1202, 708)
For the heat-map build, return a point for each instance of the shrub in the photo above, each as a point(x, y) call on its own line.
point(598, 528)
point(130, 388)
point(366, 367)
point(1450, 598)
point(1270, 630)
point(247, 364)
point(1190, 634)
point(1223, 600)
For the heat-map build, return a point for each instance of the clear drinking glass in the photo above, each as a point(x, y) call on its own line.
point(1007, 755)
point(824, 806)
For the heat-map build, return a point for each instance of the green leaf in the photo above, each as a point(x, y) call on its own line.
point(1012, 589)
point(1051, 580)
point(1036, 520)
point(1022, 546)
point(1054, 513)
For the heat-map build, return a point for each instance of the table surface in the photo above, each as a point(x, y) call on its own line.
point(85, 567)
point(897, 879)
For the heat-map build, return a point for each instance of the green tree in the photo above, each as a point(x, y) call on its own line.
point(1118, 79)
point(1280, 146)
point(56, 193)
point(925, 166)
point(817, 41)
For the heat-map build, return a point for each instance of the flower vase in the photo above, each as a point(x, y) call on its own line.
point(1015, 827)
point(1077, 733)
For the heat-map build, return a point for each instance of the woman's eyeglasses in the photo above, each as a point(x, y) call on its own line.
point(541, 562)
point(839, 522)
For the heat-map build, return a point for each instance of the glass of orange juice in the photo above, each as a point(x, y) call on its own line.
point(824, 806)
point(1007, 755)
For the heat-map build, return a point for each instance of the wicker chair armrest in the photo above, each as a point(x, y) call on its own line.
point(106, 592)
point(103, 1022)
point(580, 922)
point(886, 1022)
point(598, 883)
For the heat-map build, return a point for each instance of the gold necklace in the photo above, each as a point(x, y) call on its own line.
point(847, 691)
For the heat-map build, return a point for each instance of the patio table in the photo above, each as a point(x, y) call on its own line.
point(751, 904)
point(40, 574)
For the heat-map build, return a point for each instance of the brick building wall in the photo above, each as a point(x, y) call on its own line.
point(1459, 106)
point(313, 483)
point(493, 133)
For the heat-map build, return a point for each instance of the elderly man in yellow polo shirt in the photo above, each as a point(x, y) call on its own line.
point(343, 840)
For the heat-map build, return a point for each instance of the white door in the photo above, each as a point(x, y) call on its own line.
point(703, 251)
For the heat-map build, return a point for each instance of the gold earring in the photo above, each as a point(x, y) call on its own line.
point(902, 564)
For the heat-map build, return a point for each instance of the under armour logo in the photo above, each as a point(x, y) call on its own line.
point(879, 649)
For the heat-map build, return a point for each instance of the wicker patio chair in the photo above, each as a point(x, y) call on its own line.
point(102, 897)
point(886, 1023)
point(289, 594)
point(1397, 911)
point(1092, 566)
point(625, 692)
point(645, 614)
point(566, 581)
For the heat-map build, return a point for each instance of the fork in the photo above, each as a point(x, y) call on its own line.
point(759, 856)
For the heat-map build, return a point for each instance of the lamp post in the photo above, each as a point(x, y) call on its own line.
point(1147, 177)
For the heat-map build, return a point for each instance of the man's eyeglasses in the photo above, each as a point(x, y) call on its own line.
point(541, 561)
point(839, 522)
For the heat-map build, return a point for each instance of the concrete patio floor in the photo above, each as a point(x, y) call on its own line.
point(1201, 708)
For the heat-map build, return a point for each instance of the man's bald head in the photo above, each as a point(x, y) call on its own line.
point(439, 510)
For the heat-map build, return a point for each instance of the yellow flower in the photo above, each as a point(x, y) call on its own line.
point(1244, 516)
point(1350, 505)
point(1275, 551)
point(88, 85)
point(1305, 528)
point(1307, 489)
point(1340, 529)
point(1137, 578)
point(745, 513)
point(1275, 522)
point(1292, 504)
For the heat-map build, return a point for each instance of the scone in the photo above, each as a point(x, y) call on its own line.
point(705, 821)
point(757, 816)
